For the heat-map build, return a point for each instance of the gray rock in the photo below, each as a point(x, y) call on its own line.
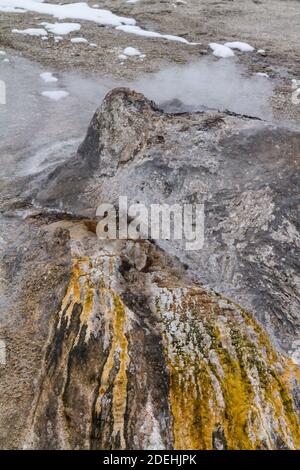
point(246, 171)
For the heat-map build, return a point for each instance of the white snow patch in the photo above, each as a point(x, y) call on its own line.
point(151, 34)
point(79, 40)
point(262, 74)
point(219, 50)
point(48, 77)
point(55, 95)
point(131, 52)
point(81, 11)
point(122, 56)
point(31, 31)
point(61, 28)
point(2, 53)
point(241, 46)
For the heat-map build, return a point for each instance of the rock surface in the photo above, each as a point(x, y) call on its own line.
point(244, 170)
point(142, 344)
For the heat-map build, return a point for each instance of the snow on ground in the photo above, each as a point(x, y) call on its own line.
point(241, 46)
point(151, 34)
point(61, 28)
point(79, 40)
point(48, 77)
point(221, 51)
point(81, 11)
point(131, 52)
point(225, 50)
point(262, 74)
point(31, 31)
point(2, 53)
point(55, 95)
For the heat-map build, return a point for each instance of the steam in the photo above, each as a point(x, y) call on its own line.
point(209, 83)
point(213, 84)
point(30, 124)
